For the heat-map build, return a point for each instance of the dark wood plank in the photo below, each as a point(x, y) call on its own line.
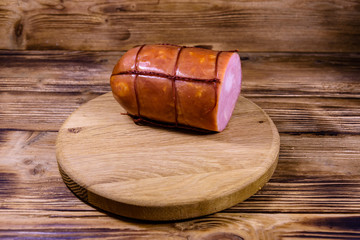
point(298, 26)
point(219, 226)
point(47, 111)
point(38, 111)
point(303, 75)
point(264, 74)
point(303, 93)
point(315, 173)
point(56, 71)
point(314, 115)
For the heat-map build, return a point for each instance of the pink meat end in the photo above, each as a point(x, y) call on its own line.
point(230, 91)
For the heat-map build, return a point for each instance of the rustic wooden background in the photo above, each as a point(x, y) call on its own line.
point(301, 62)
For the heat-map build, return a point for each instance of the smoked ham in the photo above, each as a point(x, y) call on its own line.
point(178, 86)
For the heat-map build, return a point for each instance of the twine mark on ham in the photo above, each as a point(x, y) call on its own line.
point(141, 119)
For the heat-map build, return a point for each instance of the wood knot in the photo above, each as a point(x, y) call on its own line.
point(223, 236)
point(37, 170)
point(103, 61)
point(27, 161)
point(261, 121)
point(18, 28)
point(75, 130)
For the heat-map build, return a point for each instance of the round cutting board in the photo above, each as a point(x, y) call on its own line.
point(154, 173)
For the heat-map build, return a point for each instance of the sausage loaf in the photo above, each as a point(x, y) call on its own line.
point(178, 86)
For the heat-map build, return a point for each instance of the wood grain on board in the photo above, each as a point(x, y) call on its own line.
point(151, 173)
point(308, 176)
point(260, 26)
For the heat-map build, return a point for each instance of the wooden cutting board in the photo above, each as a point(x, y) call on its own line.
point(155, 173)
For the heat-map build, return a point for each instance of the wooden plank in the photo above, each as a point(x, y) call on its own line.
point(304, 75)
point(38, 111)
point(47, 111)
point(314, 174)
point(264, 74)
point(38, 90)
point(56, 71)
point(219, 226)
point(313, 115)
point(297, 25)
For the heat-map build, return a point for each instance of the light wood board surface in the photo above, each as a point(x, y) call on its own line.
point(152, 173)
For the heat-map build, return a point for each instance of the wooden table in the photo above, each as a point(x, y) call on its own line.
point(301, 64)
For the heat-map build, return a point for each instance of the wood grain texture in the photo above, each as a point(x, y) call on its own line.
point(265, 74)
point(303, 93)
point(317, 173)
point(39, 111)
point(218, 226)
point(313, 115)
point(301, 65)
point(190, 175)
point(296, 25)
point(294, 204)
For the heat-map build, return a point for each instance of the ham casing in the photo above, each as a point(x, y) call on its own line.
point(178, 86)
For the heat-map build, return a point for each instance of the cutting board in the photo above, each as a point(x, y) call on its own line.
point(154, 173)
